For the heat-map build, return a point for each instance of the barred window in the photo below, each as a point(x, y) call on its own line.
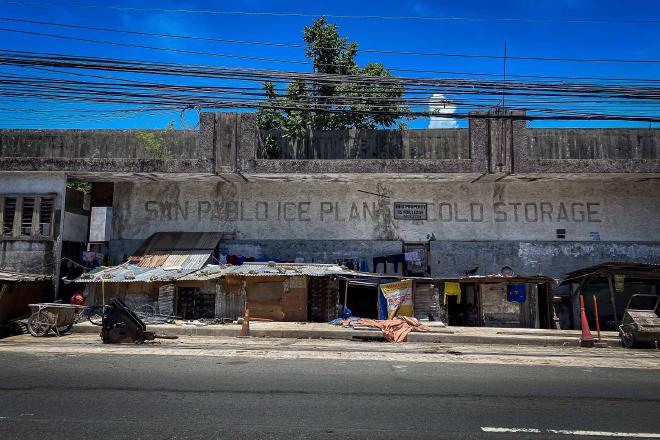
point(9, 214)
point(27, 214)
point(27, 217)
point(45, 216)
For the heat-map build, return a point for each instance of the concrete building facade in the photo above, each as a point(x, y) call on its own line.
point(494, 195)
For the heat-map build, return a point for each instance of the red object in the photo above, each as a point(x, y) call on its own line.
point(245, 328)
point(262, 319)
point(396, 329)
point(597, 319)
point(78, 299)
point(586, 340)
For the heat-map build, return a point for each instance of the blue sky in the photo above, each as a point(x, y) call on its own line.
point(545, 39)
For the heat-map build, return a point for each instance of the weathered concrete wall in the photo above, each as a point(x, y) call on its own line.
point(104, 151)
point(28, 256)
point(76, 227)
point(35, 256)
point(489, 225)
point(90, 144)
point(375, 144)
point(594, 143)
point(616, 211)
point(552, 258)
point(497, 141)
point(311, 251)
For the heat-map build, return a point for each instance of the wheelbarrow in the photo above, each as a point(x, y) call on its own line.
point(52, 316)
point(640, 325)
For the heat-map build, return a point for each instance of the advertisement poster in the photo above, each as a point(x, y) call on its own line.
point(399, 298)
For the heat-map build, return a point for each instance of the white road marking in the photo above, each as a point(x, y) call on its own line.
point(491, 429)
point(605, 433)
point(573, 432)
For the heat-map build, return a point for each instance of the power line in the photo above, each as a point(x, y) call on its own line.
point(344, 16)
point(467, 85)
point(366, 95)
point(435, 54)
point(257, 43)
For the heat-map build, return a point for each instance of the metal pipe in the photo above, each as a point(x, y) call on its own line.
point(596, 315)
point(611, 284)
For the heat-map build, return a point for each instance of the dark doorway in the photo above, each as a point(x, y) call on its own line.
point(465, 313)
point(192, 304)
point(362, 300)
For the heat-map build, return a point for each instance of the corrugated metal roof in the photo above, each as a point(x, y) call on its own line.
point(210, 272)
point(188, 250)
point(130, 273)
point(21, 277)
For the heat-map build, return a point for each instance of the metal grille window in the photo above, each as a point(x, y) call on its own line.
point(9, 214)
point(27, 217)
point(45, 216)
point(27, 214)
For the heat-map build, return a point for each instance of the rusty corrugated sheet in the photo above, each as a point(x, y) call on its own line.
point(251, 269)
point(188, 250)
point(131, 273)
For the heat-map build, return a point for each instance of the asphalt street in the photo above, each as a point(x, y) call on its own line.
point(127, 395)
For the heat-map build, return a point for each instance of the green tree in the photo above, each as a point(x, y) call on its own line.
point(358, 104)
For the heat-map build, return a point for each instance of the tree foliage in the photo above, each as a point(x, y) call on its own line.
point(335, 55)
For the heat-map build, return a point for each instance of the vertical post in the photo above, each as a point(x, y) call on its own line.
point(378, 304)
point(596, 315)
point(577, 292)
point(343, 312)
point(414, 291)
point(504, 75)
point(610, 281)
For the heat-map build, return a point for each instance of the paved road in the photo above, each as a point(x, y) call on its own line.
point(77, 394)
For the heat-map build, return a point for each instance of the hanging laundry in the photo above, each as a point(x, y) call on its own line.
point(377, 261)
point(232, 259)
point(223, 259)
point(412, 256)
point(240, 260)
point(364, 266)
point(396, 259)
point(452, 289)
point(516, 293)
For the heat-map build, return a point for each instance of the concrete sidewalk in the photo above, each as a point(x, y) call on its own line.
point(295, 330)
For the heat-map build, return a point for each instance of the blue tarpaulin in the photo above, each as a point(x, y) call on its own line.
point(516, 293)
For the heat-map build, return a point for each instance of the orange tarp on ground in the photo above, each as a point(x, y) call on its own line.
point(397, 329)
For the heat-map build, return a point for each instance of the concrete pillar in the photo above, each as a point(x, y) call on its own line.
point(498, 134)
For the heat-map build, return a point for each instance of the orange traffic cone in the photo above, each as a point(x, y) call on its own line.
point(586, 340)
point(245, 328)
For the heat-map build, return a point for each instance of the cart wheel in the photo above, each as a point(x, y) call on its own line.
point(40, 323)
point(628, 338)
point(95, 315)
point(63, 329)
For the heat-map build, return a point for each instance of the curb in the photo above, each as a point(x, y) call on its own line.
point(446, 336)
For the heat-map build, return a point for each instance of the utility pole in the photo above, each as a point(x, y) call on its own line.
point(504, 74)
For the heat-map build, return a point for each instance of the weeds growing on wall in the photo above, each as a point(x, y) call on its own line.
point(154, 143)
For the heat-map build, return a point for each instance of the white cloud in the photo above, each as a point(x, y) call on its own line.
point(442, 105)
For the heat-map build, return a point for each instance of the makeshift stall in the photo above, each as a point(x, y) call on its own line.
point(498, 301)
point(612, 284)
